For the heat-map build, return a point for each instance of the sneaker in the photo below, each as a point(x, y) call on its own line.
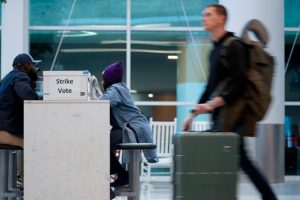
point(122, 179)
point(20, 183)
point(153, 160)
point(112, 194)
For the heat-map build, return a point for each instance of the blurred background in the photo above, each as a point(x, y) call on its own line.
point(163, 46)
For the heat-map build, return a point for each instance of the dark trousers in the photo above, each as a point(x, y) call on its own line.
point(255, 176)
point(115, 165)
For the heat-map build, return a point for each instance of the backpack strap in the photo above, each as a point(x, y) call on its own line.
point(223, 54)
point(224, 48)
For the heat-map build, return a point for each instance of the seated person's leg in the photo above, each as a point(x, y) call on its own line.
point(115, 137)
point(20, 169)
point(7, 138)
point(115, 165)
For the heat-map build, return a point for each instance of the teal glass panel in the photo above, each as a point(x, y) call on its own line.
point(0, 51)
point(152, 69)
point(79, 50)
point(0, 33)
point(85, 12)
point(1, 14)
point(167, 12)
point(291, 13)
point(292, 75)
point(292, 140)
point(292, 93)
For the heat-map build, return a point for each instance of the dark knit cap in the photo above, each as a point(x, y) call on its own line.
point(113, 73)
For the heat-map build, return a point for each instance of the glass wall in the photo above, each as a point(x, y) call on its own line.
point(89, 35)
point(84, 12)
point(77, 50)
point(167, 13)
point(292, 87)
point(0, 34)
point(151, 38)
point(292, 74)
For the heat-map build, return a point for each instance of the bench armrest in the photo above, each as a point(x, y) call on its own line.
point(135, 146)
point(9, 147)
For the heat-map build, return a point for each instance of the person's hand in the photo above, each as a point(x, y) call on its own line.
point(187, 123)
point(203, 108)
point(209, 106)
point(198, 109)
point(218, 102)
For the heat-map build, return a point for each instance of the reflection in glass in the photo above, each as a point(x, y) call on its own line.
point(291, 12)
point(77, 51)
point(152, 69)
point(292, 140)
point(292, 74)
point(167, 13)
point(91, 12)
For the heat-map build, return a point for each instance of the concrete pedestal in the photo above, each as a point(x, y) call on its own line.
point(66, 150)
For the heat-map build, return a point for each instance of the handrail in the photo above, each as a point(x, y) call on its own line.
point(164, 103)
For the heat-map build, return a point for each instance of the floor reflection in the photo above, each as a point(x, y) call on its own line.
point(290, 190)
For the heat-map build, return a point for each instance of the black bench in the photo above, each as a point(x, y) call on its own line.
point(8, 172)
point(133, 190)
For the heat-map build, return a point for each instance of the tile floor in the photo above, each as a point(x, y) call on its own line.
point(289, 190)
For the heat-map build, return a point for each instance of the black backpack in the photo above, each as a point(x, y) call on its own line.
point(259, 70)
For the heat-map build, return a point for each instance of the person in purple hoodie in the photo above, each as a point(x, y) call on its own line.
point(123, 114)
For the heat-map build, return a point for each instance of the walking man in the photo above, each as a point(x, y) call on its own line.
point(214, 19)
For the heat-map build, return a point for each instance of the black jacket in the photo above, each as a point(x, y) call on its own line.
point(234, 74)
point(14, 89)
point(236, 59)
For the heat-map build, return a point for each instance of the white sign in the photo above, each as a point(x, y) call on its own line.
point(66, 85)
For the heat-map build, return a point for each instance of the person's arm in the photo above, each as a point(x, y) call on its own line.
point(23, 87)
point(237, 60)
point(203, 108)
point(205, 96)
point(112, 95)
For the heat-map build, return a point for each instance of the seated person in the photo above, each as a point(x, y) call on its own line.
point(124, 113)
point(18, 85)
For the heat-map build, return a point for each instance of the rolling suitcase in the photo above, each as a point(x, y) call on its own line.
point(206, 165)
